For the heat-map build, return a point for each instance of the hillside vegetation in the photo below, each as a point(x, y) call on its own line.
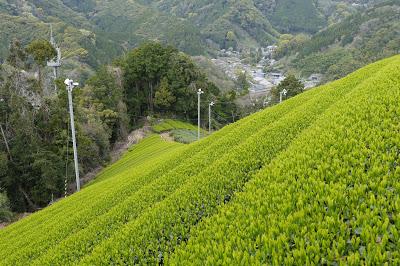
point(343, 47)
point(312, 180)
point(147, 151)
point(330, 197)
point(93, 32)
point(35, 156)
point(169, 124)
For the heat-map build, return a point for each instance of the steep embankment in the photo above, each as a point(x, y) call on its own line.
point(311, 179)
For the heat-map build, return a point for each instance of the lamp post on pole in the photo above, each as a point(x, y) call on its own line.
point(209, 116)
point(199, 93)
point(70, 86)
point(284, 92)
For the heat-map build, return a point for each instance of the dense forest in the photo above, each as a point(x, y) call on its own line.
point(151, 80)
point(95, 31)
point(343, 47)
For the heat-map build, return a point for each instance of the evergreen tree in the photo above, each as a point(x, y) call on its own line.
point(291, 84)
point(164, 97)
point(41, 51)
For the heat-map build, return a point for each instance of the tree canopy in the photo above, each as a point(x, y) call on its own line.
point(291, 84)
point(42, 51)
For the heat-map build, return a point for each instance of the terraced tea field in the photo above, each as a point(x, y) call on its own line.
point(313, 180)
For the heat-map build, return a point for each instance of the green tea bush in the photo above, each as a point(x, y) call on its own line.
point(330, 198)
point(169, 124)
point(310, 181)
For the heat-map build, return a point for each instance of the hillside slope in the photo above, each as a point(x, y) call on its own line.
point(341, 138)
point(96, 30)
point(147, 151)
point(331, 197)
point(357, 40)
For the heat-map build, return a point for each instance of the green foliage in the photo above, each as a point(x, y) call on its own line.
point(329, 198)
point(295, 16)
point(359, 39)
point(81, 6)
point(288, 43)
point(113, 101)
point(103, 99)
point(313, 166)
point(184, 135)
point(242, 82)
point(147, 151)
point(159, 79)
point(35, 166)
point(163, 97)
point(291, 84)
point(168, 223)
point(5, 213)
point(42, 51)
point(127, 191)
point(37, 129)
point(169, 124)
point(17, 55)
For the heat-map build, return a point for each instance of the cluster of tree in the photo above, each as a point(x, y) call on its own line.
point(35, 153)
point(291, 84)
point(297, 16)
point(161, 80)
point(288, 43)
point(242, 82)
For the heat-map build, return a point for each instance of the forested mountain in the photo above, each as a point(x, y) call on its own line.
point(95, 31)
point(355, 41)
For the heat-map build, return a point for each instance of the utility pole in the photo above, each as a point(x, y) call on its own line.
point(284, 92)
point(209, 116)
point(55, 63)
point(70, 86)
point(199, 93)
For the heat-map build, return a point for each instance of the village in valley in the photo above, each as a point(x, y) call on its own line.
point(261, 80)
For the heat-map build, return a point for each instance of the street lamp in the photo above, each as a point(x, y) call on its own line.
point(209, 116)
point(284, 92)
point(199, 93)
point(70, 86)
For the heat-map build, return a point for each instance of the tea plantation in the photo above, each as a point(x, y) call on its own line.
point(314, 180)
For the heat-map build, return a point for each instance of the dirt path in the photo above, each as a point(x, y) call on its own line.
point(167, 136)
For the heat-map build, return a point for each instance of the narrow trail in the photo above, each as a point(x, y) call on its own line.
point(167, 136)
